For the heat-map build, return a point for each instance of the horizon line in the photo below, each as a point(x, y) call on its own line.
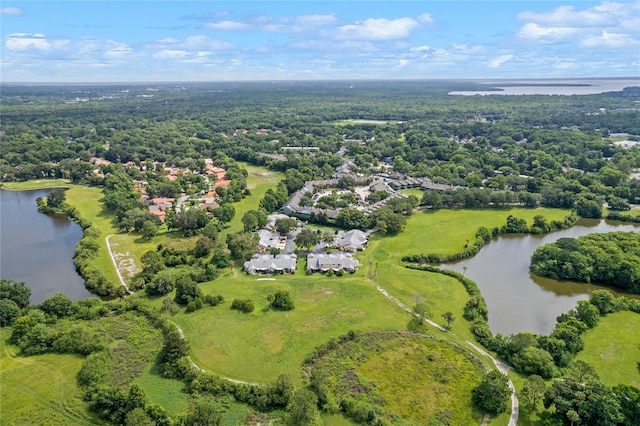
point(273, 81)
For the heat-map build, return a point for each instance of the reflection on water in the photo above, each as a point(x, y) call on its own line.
point(518, 300)
point(38, 249)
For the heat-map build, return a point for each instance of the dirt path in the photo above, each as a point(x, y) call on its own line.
point(115, 264)
point(501, 366)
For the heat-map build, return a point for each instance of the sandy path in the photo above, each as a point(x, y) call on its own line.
point(115, 264)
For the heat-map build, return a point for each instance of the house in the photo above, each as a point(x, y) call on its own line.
point(270, 240)
point(322, 262)
point(351, 241)
point(268, 264)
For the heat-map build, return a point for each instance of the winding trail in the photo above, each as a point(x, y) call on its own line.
point(197, 367)
point(501, 366)
point(115, 264)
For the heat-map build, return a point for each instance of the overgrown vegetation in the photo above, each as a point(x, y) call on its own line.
point(611, 259)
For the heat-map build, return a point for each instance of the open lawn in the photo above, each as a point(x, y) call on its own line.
point(35, 184)
point(447, 231)
point(258, 181)
point(261, 345)
point(41, 389)
point(169, 393)
point(613, 348)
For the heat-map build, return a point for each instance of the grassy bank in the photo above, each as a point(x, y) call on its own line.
point(35, 184)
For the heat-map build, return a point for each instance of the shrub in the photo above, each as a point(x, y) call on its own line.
point(245, 306)
point(282, 301)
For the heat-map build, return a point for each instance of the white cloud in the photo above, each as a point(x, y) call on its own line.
point(533, 31)
point(378, 29)
point(610, 40)
point(293, 24)
point(424, 48)
point(24, 41)
point(171, 54)
point(314, 20)
point(497, 62)
point(10, 11)
point(425, 18)
point(604, 14)
point(228, 26)
point(609, 24)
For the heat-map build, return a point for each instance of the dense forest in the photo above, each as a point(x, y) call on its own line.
point(611, 259)
point(552, 150)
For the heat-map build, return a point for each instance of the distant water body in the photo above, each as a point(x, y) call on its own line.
point(38, 249)
point(551, 87)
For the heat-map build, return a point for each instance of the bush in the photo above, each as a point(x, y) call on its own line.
point(282, 301)
point(245, 306)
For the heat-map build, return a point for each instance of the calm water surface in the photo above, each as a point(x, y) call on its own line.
point(552, 87)
point(38, 249)
point(518, 300)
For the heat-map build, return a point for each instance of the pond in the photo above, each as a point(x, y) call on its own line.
point(518, 300)
point(37, 249)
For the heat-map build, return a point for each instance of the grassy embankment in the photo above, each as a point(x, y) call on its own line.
point(35, 184)
point(40, 389)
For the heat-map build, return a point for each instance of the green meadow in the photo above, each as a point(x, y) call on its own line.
point(613, 349)
point(40, 389)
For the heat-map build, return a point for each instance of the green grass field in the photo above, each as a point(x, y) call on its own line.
point(41, 389)
point(613, 348)
point(259, 346)
point(258, 181)
point(35, 184)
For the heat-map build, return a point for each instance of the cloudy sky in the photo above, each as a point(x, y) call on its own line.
point(111, 41)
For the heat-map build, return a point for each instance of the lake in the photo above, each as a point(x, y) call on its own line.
point(38, 249)
point(566, 87)
point(518, 300)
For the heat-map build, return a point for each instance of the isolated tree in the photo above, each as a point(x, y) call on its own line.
point(307, 238)
point(492, 393)
point(533, 391)
point(284, 226)
point(581, 371)
point(449, 318)
point(250, 221)
point(282, 301)
point(149, 229)
point(422, 311)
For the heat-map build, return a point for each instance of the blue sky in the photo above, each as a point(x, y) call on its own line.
point(98, 41)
